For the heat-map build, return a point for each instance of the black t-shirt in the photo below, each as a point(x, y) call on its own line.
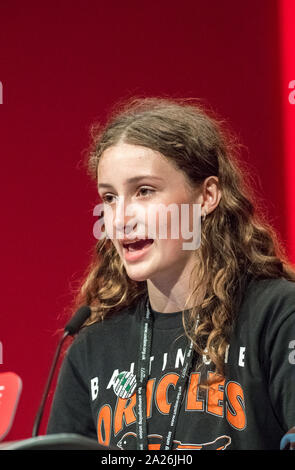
point(252, 408)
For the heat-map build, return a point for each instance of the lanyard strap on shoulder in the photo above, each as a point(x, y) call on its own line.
point(142, 378)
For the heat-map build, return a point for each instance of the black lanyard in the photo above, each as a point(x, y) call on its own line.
point(142, 378)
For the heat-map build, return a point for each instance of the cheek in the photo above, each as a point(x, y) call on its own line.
point(108, 221)
point(164, 224)
point(180, 220)
point(172, 250)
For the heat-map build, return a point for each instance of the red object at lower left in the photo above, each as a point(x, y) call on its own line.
point(10, 391)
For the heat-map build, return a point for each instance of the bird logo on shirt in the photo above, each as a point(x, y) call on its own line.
point(128, 441)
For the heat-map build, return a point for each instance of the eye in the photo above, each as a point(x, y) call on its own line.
point(108, 198)
point(105, 198)
point(146, 189)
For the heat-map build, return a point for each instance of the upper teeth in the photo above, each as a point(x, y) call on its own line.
point(134, 241)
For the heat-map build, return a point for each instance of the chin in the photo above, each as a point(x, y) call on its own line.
point(138, 273)
point(139, 277)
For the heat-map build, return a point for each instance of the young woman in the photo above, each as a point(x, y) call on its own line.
point(188, 346)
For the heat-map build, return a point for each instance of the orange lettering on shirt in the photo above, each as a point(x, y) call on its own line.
point(104, 422)
point(235, 410)
point(192, 403)
point(124, 409)
point(215, 397)
point(162, 392)
point(149, 396)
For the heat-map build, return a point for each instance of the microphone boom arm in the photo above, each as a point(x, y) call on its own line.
point(39, 414)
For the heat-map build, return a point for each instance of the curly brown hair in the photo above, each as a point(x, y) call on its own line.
point(237, 242)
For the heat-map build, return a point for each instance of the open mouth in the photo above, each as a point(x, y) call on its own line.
point(138, 245)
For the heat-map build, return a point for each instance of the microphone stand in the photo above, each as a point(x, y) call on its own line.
point(48, 383)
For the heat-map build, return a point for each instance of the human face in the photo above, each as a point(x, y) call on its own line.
point(163, 184)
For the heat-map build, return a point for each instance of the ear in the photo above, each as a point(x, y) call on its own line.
point(210, 195)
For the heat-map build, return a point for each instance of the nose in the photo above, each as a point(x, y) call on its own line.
point(124, 222)
point(132, 221)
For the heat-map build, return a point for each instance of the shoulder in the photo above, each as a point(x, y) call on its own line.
point(98, 334)
point(271, 300)
point(275, 292)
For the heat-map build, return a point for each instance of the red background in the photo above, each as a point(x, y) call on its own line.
point(63, 64)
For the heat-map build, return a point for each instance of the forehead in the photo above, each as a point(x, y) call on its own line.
point(123, 162)
point(126, 159)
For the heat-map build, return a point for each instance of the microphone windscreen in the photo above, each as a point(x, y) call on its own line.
point(78, 319)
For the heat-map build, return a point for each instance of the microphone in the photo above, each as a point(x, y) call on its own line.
point(71, 329)
point(77, 320)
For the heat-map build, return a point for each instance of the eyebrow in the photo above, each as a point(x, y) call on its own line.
point(131, 180)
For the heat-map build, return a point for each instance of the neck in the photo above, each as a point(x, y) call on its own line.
point(163, 302)
point(171, 295)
